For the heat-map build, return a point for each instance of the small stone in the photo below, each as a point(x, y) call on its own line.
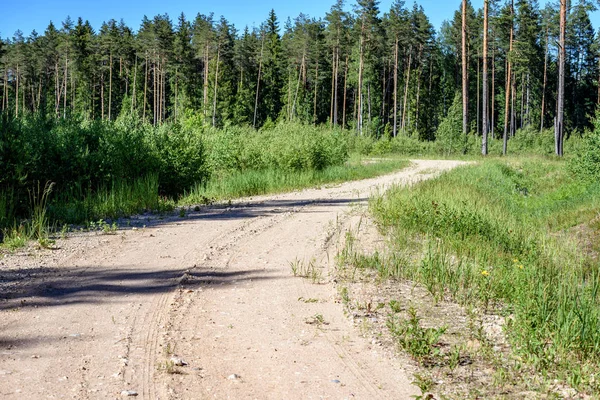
point(178, 362)
point(335, 380)
point(234, 377)
point(129, 393)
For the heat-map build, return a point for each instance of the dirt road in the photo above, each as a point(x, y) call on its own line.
point(111, 316)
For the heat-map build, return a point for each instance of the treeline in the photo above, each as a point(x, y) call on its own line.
point(377, 71)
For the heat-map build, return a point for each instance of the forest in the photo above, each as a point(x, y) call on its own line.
point(91, 110)
point(368, 69)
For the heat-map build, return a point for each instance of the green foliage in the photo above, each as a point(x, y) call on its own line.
point(181, 158)
point(449, 135)
point(411, 336)
point(586, 163)
point(288, 147)
point(252, 182)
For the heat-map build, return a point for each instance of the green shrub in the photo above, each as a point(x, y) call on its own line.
point(586, 163)
point(181, 158)
point(449, 136)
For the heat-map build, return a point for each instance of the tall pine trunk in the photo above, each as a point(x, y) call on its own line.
point(508, 83)
point(360, 80)
point(214, 113)
point(335, 85)
point(110, 86)
point(145, 89)
point(465, 77)
point(546, 82)
point(134, 84)
point(484, 132)
point(262, 45)
point(558, 130)
point(395, 130)
point(316, 89)
point(17, 94)
point(345, 92)
point(493, 97)
point(205, 88)
point(405, 101)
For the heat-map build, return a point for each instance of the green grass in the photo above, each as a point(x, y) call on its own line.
point(257, 182)
point(498, 235)
point(120, 199)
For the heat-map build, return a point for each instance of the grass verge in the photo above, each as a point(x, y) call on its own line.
point(505, 238)
point(258, 182)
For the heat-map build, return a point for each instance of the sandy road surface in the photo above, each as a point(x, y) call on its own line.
point(104, 314)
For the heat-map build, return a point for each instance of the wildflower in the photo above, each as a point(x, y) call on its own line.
point(515, 260)
point(484, 273)
point(520, 266)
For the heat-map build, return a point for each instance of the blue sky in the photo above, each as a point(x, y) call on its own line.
point(36, 14)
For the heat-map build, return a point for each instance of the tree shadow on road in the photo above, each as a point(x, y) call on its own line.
point(242, 210)
point(51, 287)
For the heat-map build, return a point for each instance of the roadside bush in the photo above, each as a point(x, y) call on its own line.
point(290, 147)
point(181, 158)
point(449, 136)
point(586, 163)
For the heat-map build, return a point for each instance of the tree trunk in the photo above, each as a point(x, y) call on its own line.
point(508, 85)
point(493, 97)
point(154, 95)
point(164, 90)
point(176, 91)
point(405, 100)
point(465, 78)
point(17, 94)
point(102, 96)
point(332, 86)
point(56, 90)
point(134, 85)
point(110, 86)
point(383, 93)
point(513, 119)
point(335, 85)
point(66, 81)
point(559, 134)
point(527, 98)
point(522, 101)
point(214, 115)
point(395, 129)
point(4, 91)
point(418, 98)
point(315, 96)
point(546, 82)
point(293, 114)
point(145, 90)
point(258, 79)
point(359, 124)
point(369, 102)
point(205, 90)
point(484, 110)
point(478, 102)
point(345, 89)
